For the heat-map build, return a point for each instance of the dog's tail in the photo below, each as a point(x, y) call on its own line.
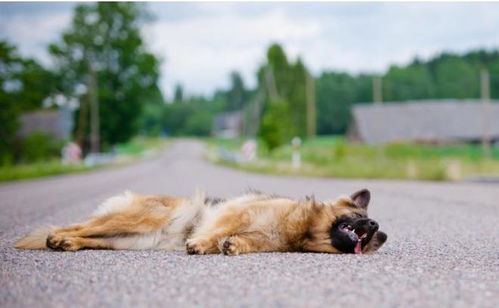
point(35, 240)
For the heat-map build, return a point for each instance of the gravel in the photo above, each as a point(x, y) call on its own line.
point(442, 247)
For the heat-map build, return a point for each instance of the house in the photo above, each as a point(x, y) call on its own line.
point(57, 123)
point(431, 121)
point(228, 125)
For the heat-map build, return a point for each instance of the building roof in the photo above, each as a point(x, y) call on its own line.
point(57, 123)
point(432, 120)
point(228, 124)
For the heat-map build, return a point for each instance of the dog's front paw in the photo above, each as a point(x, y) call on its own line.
point(197, 247)
point(229, 247)
point(56, 242)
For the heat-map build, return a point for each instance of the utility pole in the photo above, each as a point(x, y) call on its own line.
point(311, 111)
point(94, 111)
point(82, 121)
point(485, 95)
point(378, 102)
point(377, 90)
point(270, 81)
point(253, 111)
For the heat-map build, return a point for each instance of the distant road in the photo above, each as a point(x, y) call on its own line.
point(442, 248)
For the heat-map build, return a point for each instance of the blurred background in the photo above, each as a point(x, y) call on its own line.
point(370, 90)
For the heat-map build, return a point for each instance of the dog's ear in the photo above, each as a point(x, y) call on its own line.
point(361, 198)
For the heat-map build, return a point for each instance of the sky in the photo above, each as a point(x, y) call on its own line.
point(201, 43)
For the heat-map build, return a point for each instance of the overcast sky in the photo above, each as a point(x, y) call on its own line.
point(201, 43)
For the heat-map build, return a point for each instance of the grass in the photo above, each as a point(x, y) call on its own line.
point(35, 170)
point(129, 152)
point(333, 157)
point(140, 146)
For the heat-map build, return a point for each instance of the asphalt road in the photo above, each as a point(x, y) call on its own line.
point(442, 248)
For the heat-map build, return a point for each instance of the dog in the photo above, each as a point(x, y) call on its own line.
point(253, 222)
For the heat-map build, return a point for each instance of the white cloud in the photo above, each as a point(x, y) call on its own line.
point(33, 33)
point(202, 42)
point(201, 52)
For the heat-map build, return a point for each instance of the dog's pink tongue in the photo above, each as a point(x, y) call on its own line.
point(358, 247)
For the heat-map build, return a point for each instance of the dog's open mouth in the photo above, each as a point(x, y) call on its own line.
point(356, 236)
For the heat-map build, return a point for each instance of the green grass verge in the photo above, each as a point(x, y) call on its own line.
point(129, 152)
point(35, 170)
point(333, 157)
point(140, 145)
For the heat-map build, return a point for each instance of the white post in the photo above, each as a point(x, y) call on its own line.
point(296, 156)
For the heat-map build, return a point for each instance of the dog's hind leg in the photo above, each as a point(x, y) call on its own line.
point(77, 243)
point(142, 216)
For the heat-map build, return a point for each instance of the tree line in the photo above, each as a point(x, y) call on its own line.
point(281, 90)
point(444, 76)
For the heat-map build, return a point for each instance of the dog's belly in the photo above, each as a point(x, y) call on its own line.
point(155, 240)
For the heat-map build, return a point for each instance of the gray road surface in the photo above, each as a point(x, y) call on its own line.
point(442, 248)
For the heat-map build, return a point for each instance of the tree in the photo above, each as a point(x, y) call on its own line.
point(199, 124)
point(284, 84)
point(298, 98)
point(335, 92)
point(456, 78)
point(274, 127)
point(444, 76)
point(104, 41)
point(405, 83)
point(24, 84)
point(236, 95)
point(275, 76)
point(494, 79)
point(192, 117)
point(178, 95)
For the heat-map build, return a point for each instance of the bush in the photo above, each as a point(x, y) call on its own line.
point(199, 124)
point(151, 120)
point(6, 158)
point(275, 127)
point(38, 147)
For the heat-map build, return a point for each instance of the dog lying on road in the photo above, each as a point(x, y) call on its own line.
point(253, 222)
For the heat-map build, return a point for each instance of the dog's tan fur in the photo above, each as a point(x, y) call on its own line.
point(251, 223)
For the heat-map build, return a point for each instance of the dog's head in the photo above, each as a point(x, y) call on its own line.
point(352, 231)
point(342, 226)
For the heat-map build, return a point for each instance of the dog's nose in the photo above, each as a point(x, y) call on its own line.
point(372, 224)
